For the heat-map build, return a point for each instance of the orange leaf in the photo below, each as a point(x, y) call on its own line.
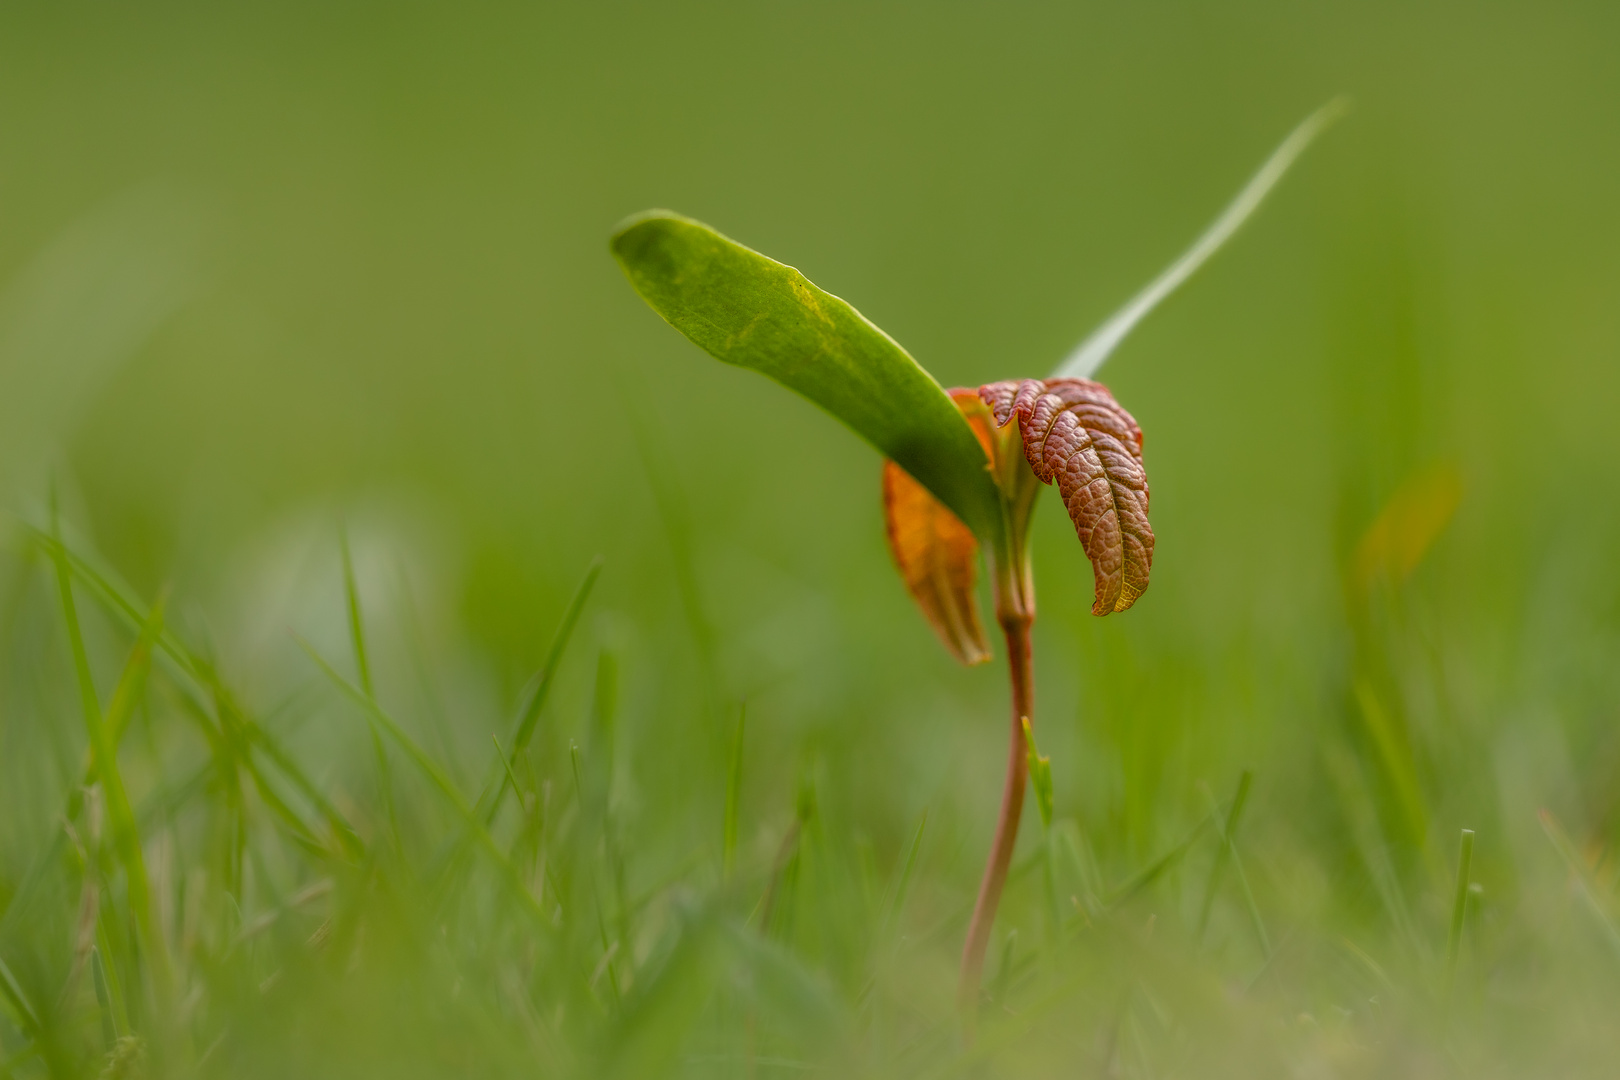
point(939, 560)
point(1074, 432)
point(937, 554)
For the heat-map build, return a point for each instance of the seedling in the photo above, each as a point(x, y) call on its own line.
point(959, 473)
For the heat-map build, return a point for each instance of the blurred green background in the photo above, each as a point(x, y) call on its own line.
point(276, 272)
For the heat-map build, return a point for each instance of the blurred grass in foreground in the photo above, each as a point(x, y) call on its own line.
point(233, 893)
point(308, 320)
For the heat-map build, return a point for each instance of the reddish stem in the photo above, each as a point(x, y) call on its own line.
point(1015, 625)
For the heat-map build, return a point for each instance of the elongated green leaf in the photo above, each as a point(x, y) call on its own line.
point(104, 753)
point(728, 836)
point(1091, 353)
point(1040, 775)
point(23, 1014)
point(754, 312)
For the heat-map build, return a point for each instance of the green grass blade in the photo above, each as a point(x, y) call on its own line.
point(1253, 908)
point(198, 682)
point(1040, 775)
point(1360, 814)
point(121, 1005)
point(605, 713)
point(511, 777)
point(1228, 834)
point(347, 838)
point(39, 868)
point(579, 781)
point(1395, 755)
point(436, 776)
point(132, 680)
point(506, 765)
point(752, 311)
point(1459, 907)
point(109, 1026)
point(24, 1015)
point(375, 713)
point(524, 727)
point(1150, 873)
point(119, 709)
point(300, 831)
point(902, 885)
point(124, 696)
point(362, 663)
point(1089, 356)
point(652, 1026)
point(117, 598)
point(357, 627)
point(673, 512)
point(234, 745)
point(604, 735)
point(126, 834)
point(416, 644)
point(784, 987)
point(728, 836)
point(1582, 876)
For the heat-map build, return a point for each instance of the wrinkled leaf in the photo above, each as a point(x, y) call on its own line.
point(754, 312)
point(1076, 434)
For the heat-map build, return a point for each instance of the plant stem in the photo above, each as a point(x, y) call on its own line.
point(1016, 619)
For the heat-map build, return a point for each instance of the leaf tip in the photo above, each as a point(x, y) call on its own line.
point(640, 218)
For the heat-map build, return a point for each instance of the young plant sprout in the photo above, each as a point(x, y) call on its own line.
point(963, 466)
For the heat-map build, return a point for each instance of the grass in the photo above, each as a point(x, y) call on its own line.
point(274, 274)
point(195, 897)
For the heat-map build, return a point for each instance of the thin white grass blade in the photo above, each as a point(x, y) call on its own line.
point(1091, 353)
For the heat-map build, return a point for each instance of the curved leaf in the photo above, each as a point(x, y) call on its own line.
point(746, 309)
point(1089, 355)
point(1075, 433)
point(937, 555)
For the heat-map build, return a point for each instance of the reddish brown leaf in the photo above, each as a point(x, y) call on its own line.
point(1075, 433)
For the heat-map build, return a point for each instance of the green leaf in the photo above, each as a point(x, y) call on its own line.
point(1040, 775)
point(104, 753)
point(1090, 354)
point(748, 310)
point(728, 837)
